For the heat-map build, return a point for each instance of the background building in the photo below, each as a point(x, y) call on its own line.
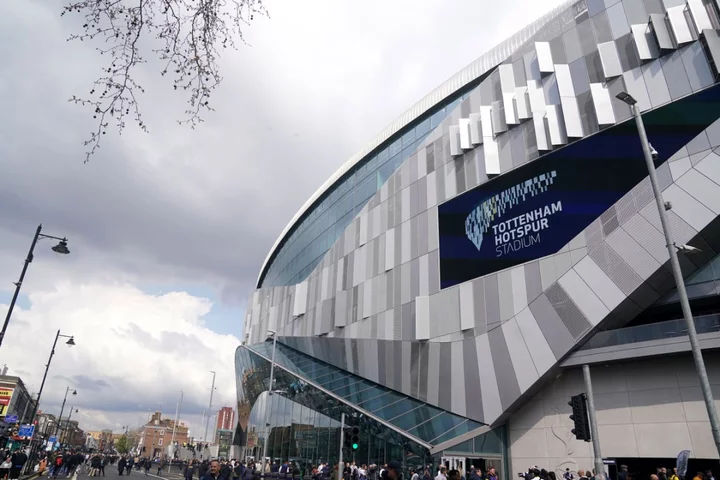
point(47, 424)
point(156, 436)
point(444, 286)
point(73, 435)
point(15, 399)
point(91, 442)
point(225, 419)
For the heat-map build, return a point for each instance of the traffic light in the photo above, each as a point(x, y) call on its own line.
point(355, 439)
point(579, 416)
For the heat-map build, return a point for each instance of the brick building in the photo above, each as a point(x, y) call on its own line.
point(225, 419)
point(156, 436)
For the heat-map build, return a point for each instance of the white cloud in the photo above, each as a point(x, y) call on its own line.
point(133, 352)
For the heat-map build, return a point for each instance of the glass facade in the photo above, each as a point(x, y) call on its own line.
point(652, 331)
point(420, 420)
point(703, 283)
point(323, 223)
point(305, 419)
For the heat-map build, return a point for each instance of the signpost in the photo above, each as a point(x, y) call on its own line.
point(26, 431)
point(11, 418)
point(50, 443)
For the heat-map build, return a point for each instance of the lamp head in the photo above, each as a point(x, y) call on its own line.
point(653, 153)
point(61, 248)
point(74, 392)
point(626, 97)
point(688, 249)
point(71, 342)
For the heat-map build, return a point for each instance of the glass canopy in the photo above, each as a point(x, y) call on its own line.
point(414, 419)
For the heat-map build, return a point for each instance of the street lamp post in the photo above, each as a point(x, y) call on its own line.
point(268, 403)
point(61, 248)
point(212, 390)
point(677, 272)
point(177, 418)
point(71, 342)
point(57, 424)
point(67, 424)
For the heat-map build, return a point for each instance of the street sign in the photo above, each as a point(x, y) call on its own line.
point(11, 418)
point(52, 439)
point(26, 431)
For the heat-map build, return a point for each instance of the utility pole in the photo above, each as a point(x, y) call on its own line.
point(662, 208)
point(342, 442)
point(62, 409)
point(212, 390)
point(177, 414)
point(268, 403)
point(599, 466)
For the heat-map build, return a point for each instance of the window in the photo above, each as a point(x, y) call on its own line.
point(160, 442)
point(437, 118)
point(396, 147)
point(423, 127)
point(162, 433)
point(408, 138)
point(383, 156)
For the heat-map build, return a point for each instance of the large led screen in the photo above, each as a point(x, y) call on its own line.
point(536, 209)
point(527, 213)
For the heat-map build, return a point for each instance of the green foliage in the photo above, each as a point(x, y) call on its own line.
point(123, 444)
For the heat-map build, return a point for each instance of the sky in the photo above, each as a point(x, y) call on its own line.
point(168, 229)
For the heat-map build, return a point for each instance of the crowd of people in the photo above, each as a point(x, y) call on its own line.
point(475, 473)
point(661, 473)
point(237, 470)
point(12, 464)
point(65, 463)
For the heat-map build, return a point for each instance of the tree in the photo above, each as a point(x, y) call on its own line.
point(185, 36)
point(123, 444)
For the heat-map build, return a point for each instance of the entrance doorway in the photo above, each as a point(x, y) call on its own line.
point(464, 462)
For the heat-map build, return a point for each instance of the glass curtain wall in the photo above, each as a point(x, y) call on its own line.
point(305, 422)
point(327, 219)
point(704, 282)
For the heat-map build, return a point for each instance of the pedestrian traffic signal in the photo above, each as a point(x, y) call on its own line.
point(579, 416)
point(355, 438)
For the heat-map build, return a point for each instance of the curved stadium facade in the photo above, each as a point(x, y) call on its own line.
point(443, 288)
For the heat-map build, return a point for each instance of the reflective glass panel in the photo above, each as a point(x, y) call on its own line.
point(295, 259)
point(395, 409)
point(385, 399)
point(415, 417)
point(436, 426)
point(408, 138)
point(450, 434)
point(408, 414)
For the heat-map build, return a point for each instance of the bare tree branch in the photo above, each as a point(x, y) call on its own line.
point(187, 36)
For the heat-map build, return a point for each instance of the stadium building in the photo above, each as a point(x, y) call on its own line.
point(444, 287)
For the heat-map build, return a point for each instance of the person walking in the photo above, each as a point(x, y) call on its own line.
point(18, 460)
point(121, 465)
point(189, 470)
